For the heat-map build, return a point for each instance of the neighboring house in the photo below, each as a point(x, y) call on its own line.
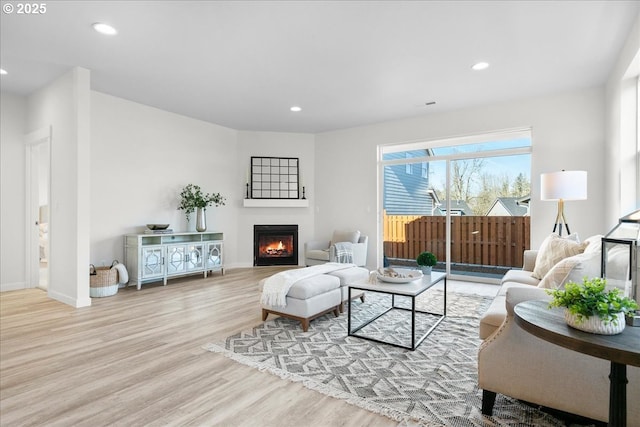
point(457, 208)
point(406, 187)
point(525, 202)
point(509, 206)
point(436, 203)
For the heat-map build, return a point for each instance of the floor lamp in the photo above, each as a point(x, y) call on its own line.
point(561, 186)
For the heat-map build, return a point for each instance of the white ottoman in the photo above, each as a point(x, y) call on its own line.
point(308, 299)
point(347, 277)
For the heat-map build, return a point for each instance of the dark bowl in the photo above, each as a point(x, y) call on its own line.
point(157, 226)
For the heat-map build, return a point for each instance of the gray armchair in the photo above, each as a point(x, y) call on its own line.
point(323, 251)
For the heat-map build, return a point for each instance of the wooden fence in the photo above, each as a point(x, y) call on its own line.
point(480, 240)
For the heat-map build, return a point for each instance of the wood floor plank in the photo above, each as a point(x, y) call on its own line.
point(136, 359)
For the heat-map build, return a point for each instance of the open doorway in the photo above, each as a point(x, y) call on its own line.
point(38, 169)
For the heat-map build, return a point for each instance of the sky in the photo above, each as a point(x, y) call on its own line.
point(512, 166)
point(498, 166)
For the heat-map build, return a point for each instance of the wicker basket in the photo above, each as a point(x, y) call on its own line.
point(103, 281)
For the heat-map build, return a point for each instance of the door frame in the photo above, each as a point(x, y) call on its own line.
point(34, 140)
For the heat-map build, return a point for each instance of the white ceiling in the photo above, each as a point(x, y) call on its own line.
point(346, 63)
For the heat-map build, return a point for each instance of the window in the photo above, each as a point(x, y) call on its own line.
point(473, 181)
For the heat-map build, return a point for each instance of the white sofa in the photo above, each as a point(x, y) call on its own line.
point(323, 251)
point(515, 363)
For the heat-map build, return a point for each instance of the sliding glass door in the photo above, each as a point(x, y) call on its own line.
point(466, 200)
point(409, 208)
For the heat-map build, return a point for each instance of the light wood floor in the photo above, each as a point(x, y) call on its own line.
point(136, 359)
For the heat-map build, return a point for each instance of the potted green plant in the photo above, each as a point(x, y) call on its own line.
point(193, 199)
point(592, 308)
point(426, 260)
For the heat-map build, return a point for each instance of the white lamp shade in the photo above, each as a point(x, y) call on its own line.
point(565, 185)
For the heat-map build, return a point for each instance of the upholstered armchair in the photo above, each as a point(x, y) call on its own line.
point(322, 251)
point(515, 363)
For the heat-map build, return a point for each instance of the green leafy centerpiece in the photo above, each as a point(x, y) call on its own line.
point(591, 308)
point(193, 199)
point(426, 260)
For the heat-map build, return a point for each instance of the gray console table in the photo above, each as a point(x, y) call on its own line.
point(154, 257)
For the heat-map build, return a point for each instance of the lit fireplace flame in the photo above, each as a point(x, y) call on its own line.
point(278, 250)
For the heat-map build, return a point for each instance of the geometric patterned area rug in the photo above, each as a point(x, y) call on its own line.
point(435, 385)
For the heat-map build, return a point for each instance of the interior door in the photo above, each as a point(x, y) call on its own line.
point(38, 183)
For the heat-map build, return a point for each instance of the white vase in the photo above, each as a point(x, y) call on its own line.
point(595, 324)
point(201, 220)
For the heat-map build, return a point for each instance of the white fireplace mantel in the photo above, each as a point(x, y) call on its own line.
point(276, 203)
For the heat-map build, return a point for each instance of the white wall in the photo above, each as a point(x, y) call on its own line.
point(274, 144)
point(141, 158)
point(12, 189)
point(568, 133)
point(621, 196)
point(64, 105)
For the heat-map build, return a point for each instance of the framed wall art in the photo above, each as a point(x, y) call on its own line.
point(275, 177)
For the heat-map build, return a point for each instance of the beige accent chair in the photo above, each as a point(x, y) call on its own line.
point(323, 251)
point(515, 363)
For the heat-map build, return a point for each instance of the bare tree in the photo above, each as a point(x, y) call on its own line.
point(521, 186)
point(479, 188)
point(464, 173)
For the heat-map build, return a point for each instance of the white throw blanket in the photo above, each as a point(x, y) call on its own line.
point(344, 252)
point(276, 287)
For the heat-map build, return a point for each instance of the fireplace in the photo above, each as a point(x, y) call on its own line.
point(275, 245)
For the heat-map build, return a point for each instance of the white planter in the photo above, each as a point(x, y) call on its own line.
point(594, 324)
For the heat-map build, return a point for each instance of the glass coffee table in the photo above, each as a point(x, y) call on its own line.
point(411, 290)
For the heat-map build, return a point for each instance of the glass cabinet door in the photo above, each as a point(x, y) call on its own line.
point(214, 255)
point(176, 259)
point(152, 262)
point(194, 257)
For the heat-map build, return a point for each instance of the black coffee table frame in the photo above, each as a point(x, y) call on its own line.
point(411, 290)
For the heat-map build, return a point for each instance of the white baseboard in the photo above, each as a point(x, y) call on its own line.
point(249, 265)
point(4, 287)
point(74, 302)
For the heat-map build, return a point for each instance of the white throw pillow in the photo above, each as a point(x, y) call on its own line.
point(572, 269)
point(345, 236)
point(573, 236)
point(594, 243)
point(552, 250)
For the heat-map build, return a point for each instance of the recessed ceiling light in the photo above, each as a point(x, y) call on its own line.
point(3, 71)
point(480, 66)
point(295, 109)
point(105, 29)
